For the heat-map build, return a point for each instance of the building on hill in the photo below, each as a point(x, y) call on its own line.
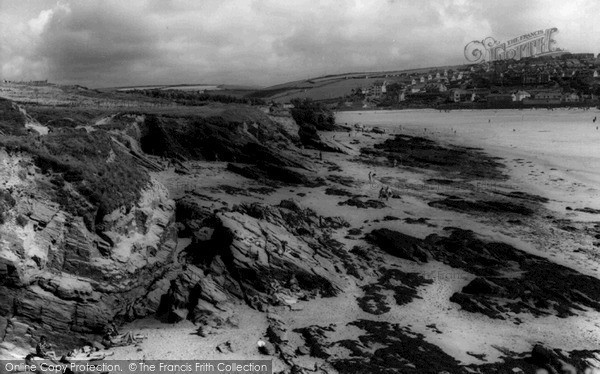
point(375, 90)
point(458, 95)
point(436, 87)
point(548, 95)
point(582, 56)
point(520, 95)
point(544, 98)
point(538, 77)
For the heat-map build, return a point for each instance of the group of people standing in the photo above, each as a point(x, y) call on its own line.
point(385, 192)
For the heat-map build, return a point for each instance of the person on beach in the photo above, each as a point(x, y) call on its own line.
point(85, 353)
point(42, 349)
point(112, 338)
point(370, 178)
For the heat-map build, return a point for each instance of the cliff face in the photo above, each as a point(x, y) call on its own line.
point(88, 236)
point(59, 279)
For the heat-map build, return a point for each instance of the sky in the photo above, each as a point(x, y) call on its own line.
point(263, 42)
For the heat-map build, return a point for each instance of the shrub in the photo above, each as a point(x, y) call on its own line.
point(308, 112)
point(80, 158)
point(11, 120)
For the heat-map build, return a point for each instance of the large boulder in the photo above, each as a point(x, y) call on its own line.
point(264, 255)
point(399, 244)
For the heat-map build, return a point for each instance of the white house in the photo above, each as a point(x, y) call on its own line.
point(520, 95)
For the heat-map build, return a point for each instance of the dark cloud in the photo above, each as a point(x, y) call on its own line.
point(99, 41)
point(262, 41)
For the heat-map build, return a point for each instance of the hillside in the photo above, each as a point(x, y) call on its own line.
point(575, 80)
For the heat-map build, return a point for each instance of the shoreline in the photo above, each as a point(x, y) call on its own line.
point(473, 134)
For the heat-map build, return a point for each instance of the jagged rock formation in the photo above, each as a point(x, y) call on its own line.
point(59, 279)
point(263, 255)
point(77, 252)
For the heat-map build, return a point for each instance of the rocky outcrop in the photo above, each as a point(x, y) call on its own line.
point(461, 162)
point(274, 175)
point(482, 206)
point(405, 351)
point(61, 280)
point(399, 245)
point(359, 203)
point(286, 122)
point(508, 280)
point(263, 255)
point(309, 137)
point(402, 285)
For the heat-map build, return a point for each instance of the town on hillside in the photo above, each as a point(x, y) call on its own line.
point(564, 80)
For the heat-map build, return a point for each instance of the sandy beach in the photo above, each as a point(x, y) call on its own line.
point(549, 153)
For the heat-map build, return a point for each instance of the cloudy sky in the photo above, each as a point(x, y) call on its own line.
point(263, 42)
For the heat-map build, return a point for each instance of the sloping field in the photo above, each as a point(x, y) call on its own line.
point(333, 86)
